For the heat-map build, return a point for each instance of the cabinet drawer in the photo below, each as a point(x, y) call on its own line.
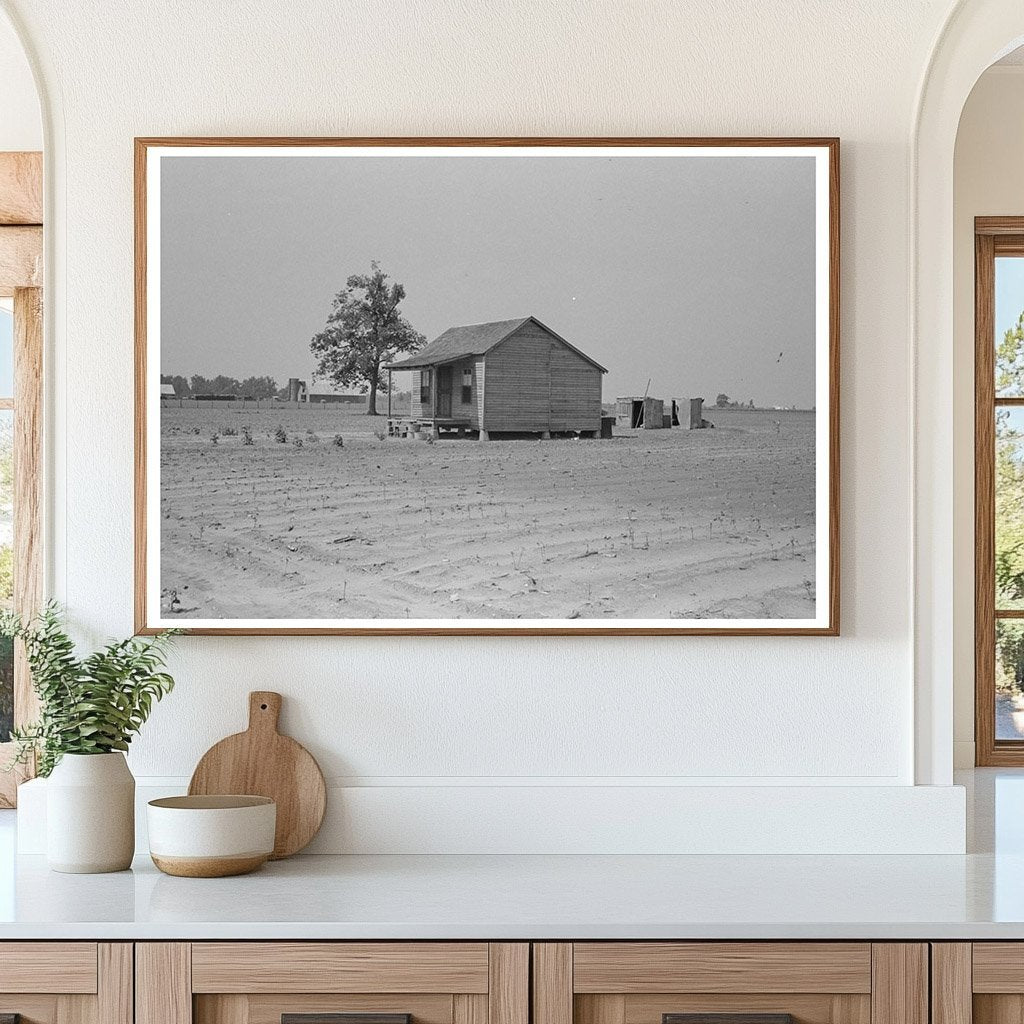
point(981, 982)
point(634, 967)
point(65, 967)
point(340, 967)
point(66, 982)
point(998, 967)
point(730, 983)
point(332, 983)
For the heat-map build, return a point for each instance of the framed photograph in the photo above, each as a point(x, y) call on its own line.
point(487, 386)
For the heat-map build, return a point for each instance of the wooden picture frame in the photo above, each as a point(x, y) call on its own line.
point(155, 609)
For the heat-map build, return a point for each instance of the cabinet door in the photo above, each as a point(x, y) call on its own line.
point(65, 983)
point(980, 982)
point(332, 983)
point(730, 983)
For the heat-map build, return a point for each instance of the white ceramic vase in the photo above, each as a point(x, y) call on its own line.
point(90, 814)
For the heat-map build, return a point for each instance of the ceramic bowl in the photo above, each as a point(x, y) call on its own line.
point(211, 836)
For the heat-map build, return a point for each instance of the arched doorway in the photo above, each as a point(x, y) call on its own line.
point(976, 34)
point(21, 258)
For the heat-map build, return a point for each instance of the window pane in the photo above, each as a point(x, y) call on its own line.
point(1009, 679)
point(1009, 512)
point(6, 353)
point(1009, 324)
point(6, 563)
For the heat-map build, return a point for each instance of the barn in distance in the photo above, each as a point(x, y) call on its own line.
point(506, 377)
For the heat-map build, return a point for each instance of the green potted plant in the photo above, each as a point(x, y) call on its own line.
point(90, 708)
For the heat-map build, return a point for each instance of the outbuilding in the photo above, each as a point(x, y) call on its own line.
point(640, 411)
point(509, 376)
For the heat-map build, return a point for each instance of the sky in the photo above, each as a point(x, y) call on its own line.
point(695, 273)
point(6, 354)
point(1009, 293)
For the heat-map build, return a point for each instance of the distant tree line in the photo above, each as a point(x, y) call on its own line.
point(251, 387)
point(723, 401)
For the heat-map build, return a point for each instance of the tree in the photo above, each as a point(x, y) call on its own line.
point(258, 387)
point(722, 401)
point(1009, 503)
point(199, 385)
point(181, 388)
point(1010, 361)
point(6, 686)
point(364, 330)
point(1009, 466)
point(221, 385)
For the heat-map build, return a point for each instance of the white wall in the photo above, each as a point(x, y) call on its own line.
point(987, 181)
point(21, 127)
point(439, 715)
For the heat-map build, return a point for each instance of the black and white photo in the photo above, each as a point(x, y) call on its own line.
point(455, 386)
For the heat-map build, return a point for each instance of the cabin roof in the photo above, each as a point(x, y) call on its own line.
point(474, 340)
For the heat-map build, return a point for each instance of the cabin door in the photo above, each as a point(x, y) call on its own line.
point(444, 391)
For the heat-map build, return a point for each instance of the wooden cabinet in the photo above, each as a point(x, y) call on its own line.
point(753, 982)
point(978, 983)
point(306, 982)
point(494, 983)
point(66, 982)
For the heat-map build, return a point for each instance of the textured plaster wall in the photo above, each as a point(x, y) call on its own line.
point(730, 711)
point(20, 124)
point(989, 156)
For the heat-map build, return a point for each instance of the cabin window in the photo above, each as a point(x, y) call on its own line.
point(467, 387)
point(424, 387)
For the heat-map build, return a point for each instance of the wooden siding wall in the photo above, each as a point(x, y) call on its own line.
point(535, 383)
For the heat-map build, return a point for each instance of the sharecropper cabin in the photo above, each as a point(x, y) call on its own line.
point(511, 376)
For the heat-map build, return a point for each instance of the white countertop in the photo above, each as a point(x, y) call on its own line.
point(496, 897)
point(977, 896)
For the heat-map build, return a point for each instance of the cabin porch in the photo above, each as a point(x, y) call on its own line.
point(433, 426)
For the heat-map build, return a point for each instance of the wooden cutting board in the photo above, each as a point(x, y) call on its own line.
point(262, 762)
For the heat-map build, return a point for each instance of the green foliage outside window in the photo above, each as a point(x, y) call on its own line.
point(1009, 510)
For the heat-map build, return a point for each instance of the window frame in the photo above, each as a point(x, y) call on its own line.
point(467, 389)
point(27, 406)
point(21, 279)
point(426, 379)
point(993, 237)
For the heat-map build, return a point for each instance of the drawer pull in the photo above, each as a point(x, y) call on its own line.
point(339, 1018)
point(727, 1018)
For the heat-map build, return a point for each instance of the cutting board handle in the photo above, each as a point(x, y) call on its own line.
point(264, 710)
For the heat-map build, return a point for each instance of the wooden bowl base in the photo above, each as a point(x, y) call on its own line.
point(209, 867)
